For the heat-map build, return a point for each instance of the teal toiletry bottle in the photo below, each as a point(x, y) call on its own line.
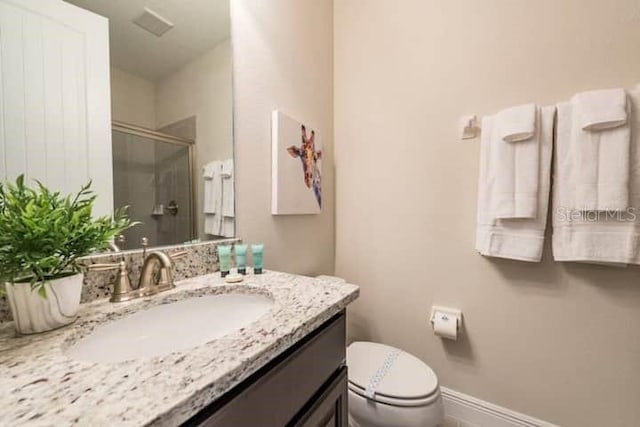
point(241, 258)
point(224, 257)
point(257, 251)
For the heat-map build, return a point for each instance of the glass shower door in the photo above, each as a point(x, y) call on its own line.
point(152, 175)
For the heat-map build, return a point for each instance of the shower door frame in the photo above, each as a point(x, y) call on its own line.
point(163, 137)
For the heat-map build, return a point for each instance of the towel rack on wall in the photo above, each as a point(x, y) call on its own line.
point(469, 125)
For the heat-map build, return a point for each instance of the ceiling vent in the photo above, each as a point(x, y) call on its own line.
point(153, 23)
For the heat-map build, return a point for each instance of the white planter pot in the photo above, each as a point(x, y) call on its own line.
point(33, 314)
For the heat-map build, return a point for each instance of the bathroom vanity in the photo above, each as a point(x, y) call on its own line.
point(305, 386)
point(285, 368)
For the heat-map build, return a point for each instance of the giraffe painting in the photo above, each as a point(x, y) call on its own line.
point(296, 167)
point(309, 157)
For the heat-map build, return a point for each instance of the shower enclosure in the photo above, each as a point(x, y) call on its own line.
point(153, 174)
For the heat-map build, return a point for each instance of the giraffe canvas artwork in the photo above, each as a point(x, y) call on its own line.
point(296, 167)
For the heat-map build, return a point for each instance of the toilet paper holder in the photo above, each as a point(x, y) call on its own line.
point(449, 313)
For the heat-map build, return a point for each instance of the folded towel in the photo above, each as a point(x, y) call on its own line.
point(208, 171)
point(517, 123)
point(514, 238)
point(599, 110)
point(601, 159)
point(514, 165)
point(594, 236)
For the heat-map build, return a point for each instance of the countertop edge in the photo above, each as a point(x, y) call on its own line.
point(174, 417)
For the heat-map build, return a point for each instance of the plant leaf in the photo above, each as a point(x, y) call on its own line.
point(43, 233)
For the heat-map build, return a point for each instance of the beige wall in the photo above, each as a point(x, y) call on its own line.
point(282, 53)
point(132, 99)
point(201, 88)
point(557, 341)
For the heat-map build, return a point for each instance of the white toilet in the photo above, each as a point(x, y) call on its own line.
point(391, 388)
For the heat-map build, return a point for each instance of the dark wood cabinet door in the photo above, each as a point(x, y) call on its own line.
point(286, 387)
point(330, 409)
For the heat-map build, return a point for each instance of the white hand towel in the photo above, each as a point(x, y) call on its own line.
point(211, 173)
point(208, 173)
point(594, 236)
point(515, 165)
point(228, 209)
point(514, 238)
point(212, 201)
point(517, 123)
point(599, 110)
point(601, 183)
point(228, 226)
point(213, 224)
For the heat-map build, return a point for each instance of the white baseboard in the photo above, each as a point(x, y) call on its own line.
point(477, 412)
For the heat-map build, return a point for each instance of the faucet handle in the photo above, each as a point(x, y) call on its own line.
point(122, 290)
point(144, 242)
point(103, 267)
point(177, 255)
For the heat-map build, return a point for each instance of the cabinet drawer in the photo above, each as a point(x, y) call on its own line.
point(276, 393)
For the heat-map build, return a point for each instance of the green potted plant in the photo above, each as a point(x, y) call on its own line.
point(42, 235)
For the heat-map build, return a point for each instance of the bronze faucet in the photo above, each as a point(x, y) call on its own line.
point(151, 283)
point(156, 276)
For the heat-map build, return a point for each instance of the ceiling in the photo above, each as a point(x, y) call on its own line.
point(198, 26)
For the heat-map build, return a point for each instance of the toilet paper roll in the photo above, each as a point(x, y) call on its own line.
point(445, 325)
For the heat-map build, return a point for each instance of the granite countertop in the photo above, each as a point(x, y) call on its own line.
point(40, 385)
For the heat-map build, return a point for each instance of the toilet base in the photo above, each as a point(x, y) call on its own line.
point(354, 424)
point(367, 413)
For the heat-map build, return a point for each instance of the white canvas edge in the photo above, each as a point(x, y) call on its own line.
point(274, 162)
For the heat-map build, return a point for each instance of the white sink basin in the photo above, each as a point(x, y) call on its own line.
point(170, 327)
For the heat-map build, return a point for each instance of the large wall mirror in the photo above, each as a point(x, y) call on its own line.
point(158, 138)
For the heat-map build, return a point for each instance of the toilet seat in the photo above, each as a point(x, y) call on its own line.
point(403, 381)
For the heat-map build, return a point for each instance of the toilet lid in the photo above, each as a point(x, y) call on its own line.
point(389, 372)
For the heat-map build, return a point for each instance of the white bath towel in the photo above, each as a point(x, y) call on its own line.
point(228, 180)
point(212, 225)
point(209, 172)
point(599, 110)
point(595, 236)
point(514, 163)
point(601, 182)
point(515, 238)
point(212, 200)
point(228, 199)
point(228, 226)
